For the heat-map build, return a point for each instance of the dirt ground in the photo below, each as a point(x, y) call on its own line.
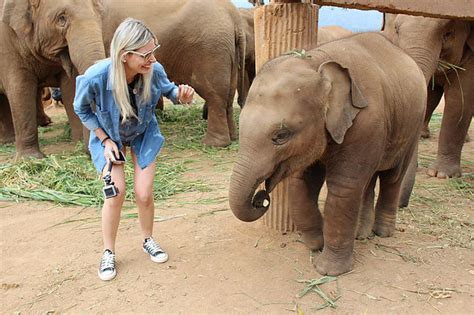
point(219, 265)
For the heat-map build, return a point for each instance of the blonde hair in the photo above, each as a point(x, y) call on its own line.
point(131, 34)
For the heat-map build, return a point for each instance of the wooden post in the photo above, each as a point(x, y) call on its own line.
point(282, 26)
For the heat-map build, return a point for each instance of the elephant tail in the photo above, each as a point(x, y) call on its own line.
point(240, 59)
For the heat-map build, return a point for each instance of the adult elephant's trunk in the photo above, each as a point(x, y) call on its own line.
point(86, 45)
point(426, 59)
point(243, 183)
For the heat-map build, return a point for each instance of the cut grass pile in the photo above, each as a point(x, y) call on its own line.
point(70, 178)
point(438, 207)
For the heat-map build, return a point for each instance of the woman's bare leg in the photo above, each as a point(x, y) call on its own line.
point(143, 185)
point(112, 207)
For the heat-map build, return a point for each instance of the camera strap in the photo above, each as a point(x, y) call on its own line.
point(109, 189)
point(107, 176)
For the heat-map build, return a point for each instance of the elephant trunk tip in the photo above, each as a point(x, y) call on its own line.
point(261, 200)
point(251, 210)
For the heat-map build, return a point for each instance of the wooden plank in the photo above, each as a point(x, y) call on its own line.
point(459, 9)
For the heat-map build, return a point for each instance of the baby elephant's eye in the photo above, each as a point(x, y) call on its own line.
point(62, 20)
point(281, 136)
point(448, 35)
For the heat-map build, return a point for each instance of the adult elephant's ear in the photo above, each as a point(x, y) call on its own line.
point(345, 100)
point(17, 15)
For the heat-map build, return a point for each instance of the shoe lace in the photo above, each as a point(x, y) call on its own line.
point(108, 261)
point(152, 247)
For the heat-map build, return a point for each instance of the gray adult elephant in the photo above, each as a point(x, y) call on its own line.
point(430, 42)
point(244, 82)
point(202, 44)
point(44, 43)
point(347, 113)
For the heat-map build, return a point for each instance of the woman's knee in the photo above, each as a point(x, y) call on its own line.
point(144, 197)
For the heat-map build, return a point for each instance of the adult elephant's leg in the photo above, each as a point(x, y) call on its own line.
point(230, 122)
point(215, 91)
point(7, 132)
point(161, 104)
point(68, 88)
point(230, 103)
point(217, 134)
point(434, 97)
point(204, 111)
point(409, 179)
point(304, 188)
point(457, 117)
point(23, 103)
point(367, 214)
point(41, 117)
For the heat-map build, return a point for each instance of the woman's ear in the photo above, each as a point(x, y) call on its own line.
point(345, 100)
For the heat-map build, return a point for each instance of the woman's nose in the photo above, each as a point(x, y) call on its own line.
point(152, 58)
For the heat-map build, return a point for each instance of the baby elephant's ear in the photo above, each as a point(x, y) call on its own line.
point(345, 100)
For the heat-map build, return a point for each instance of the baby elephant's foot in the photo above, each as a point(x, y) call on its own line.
point(364, 232)
point(384, 230)
point(313, 239)
point(334, 265)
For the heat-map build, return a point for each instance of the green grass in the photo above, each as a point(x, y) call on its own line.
point(184, 129)
point(70, 178)
point(437, 208)
point(7, 149)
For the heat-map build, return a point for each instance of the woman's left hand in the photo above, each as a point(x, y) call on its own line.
point(185, 94)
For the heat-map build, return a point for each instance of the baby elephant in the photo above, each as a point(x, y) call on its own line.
point(347, 112)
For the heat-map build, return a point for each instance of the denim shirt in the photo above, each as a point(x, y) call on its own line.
point(94, 87)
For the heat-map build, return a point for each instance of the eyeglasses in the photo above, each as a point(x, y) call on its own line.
point(146, 55)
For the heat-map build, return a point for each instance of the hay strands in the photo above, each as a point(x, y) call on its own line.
point(314, 286)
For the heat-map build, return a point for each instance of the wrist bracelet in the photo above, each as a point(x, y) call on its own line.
point(102, 142)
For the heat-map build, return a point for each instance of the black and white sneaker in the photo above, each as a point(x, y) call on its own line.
point(107, 266)
point(154, 250)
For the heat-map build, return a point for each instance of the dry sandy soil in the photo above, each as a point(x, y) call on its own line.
point(219, 265)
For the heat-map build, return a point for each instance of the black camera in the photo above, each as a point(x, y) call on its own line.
point(109, 189)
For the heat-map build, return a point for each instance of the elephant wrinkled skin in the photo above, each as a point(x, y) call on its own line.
point(202, 44)
point(348, 112)
point(42, 41)
point(427, 41)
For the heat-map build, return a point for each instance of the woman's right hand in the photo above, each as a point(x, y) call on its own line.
point(111, 151)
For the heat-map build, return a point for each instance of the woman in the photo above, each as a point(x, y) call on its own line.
point(125, 89)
